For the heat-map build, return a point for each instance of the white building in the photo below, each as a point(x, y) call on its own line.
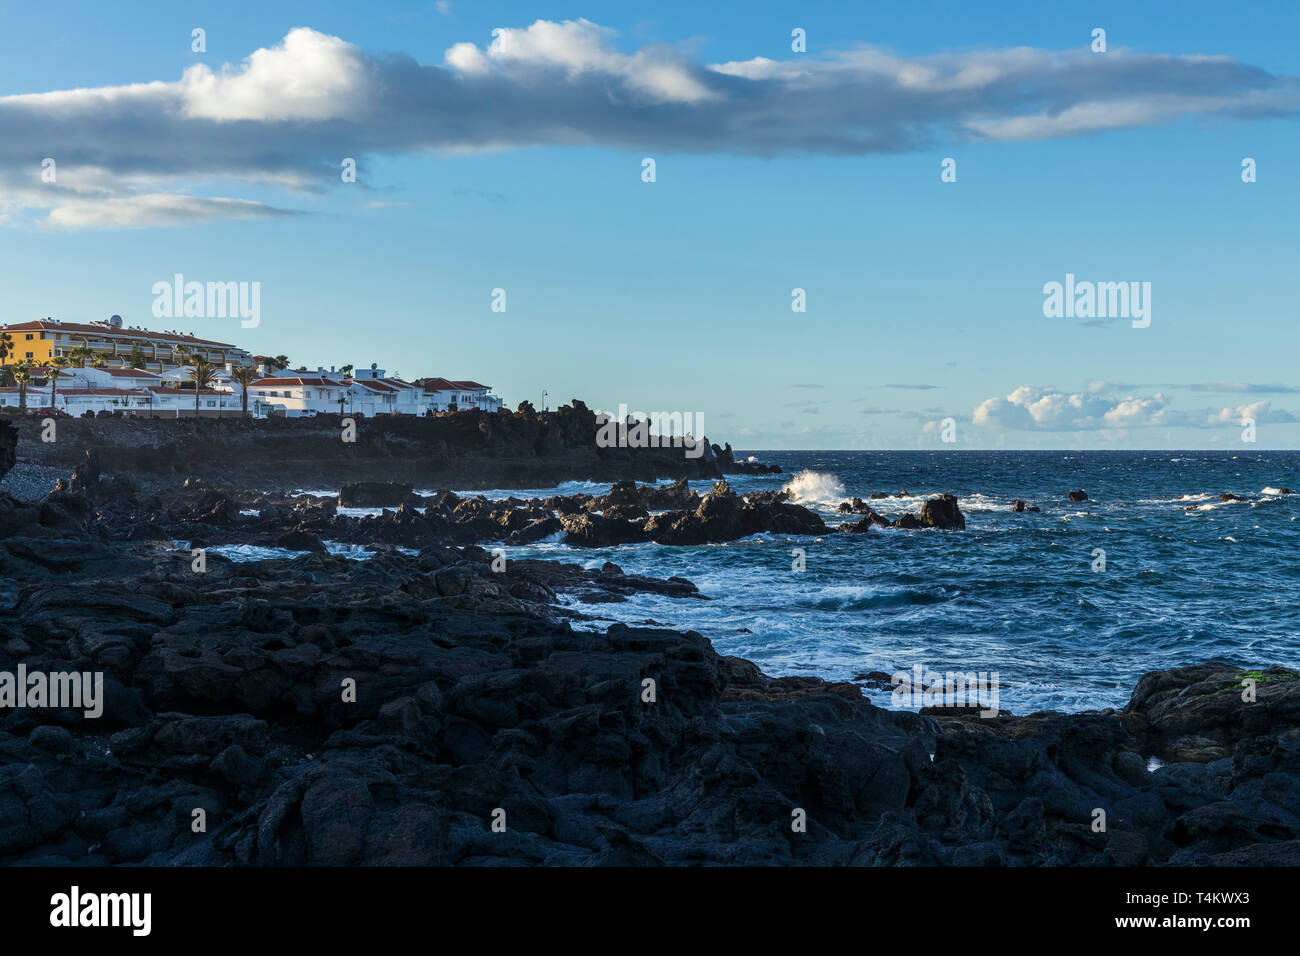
point(441, 394)
point(299, 394)
point(295, 394)
point(127, 390)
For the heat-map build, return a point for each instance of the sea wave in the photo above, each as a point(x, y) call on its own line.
point(814, 487)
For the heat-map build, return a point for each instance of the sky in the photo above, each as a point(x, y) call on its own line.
point(514, 160)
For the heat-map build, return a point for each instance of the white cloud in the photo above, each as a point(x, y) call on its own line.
point(159, 209)
point(309, 76)
point(1040, 408)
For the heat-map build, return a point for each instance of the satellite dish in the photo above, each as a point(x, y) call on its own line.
point(115, 321)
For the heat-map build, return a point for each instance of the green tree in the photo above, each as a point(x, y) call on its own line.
point(57, 365)
point(22, 376)
point(244, 376)
point(204, 371)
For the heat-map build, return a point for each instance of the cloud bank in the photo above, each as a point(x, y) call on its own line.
point(288, 114)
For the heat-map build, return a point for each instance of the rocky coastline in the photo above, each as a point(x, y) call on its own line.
point(468, 449)
point(392, 711)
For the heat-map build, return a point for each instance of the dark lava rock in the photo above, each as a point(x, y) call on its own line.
point(864, 524)
point(1080, 495)
point(373, 494)
point(942, 512)
point(55, 740)
point(8, 445)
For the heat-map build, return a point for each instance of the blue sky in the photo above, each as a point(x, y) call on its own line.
point(924, 298)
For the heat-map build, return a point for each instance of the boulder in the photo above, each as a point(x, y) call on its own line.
point(373, 494)
point(942, 512)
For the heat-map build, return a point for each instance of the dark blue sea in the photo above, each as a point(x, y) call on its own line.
point(1013, 593)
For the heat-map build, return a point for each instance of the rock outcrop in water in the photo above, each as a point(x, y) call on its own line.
point(941, 512)
point(205, 514)
point(374, 494)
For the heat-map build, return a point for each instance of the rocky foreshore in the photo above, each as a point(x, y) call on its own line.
point(204, 514)
point(440, 708)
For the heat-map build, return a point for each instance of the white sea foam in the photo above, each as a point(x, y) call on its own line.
point(361, 512)
point(497, 494)
point(814, 487)
point(356, 552)
point(1270, 490)
point(979, 502)
point(239, 553)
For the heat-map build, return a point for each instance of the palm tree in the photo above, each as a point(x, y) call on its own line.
point(6, 345)
point(57, 365)
point(203, 375)
point(347, 370)
point(80, 355)
point(98, 361)
point(279, 362)
point(244, 376)
point(22, 375)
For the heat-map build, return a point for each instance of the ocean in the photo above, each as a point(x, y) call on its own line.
point(1019, 594)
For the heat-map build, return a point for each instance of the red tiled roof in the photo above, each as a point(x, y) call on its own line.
point(101, 391)
point(374, 386)
point(318, 382)
point(128, 372)
point(109, 332)
point(165, 390)
point(468, 386)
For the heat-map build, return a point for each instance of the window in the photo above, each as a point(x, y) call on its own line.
point(29, 336)
point(212, 404)
point(29, 355)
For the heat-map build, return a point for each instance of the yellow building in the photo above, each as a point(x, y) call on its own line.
point(47, 339)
